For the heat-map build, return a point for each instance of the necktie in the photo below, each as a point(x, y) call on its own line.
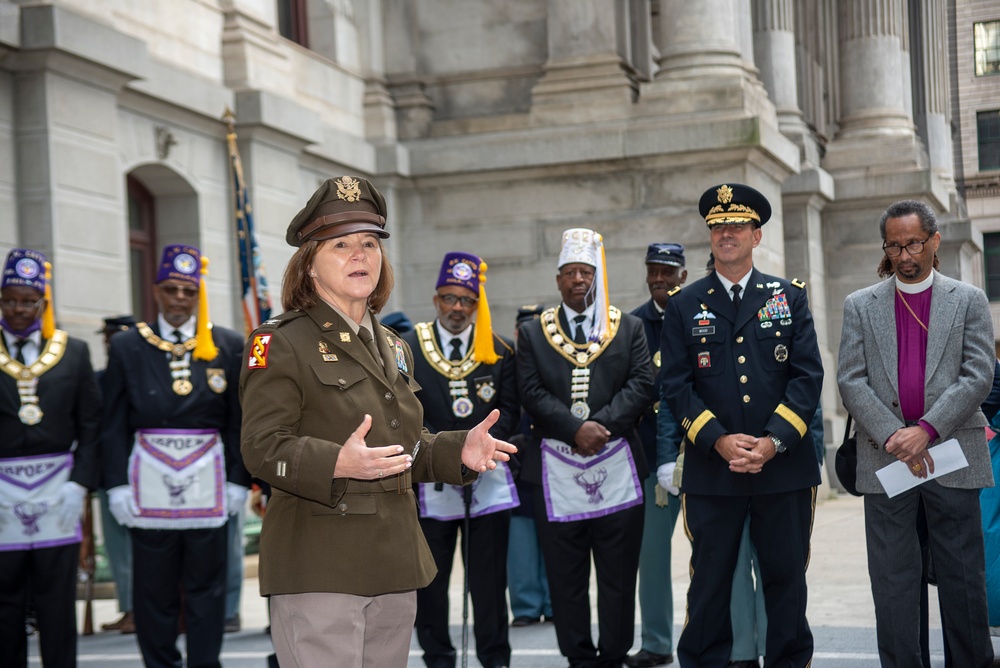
point(366, 337)
point(178, 337)
point(736, 295)
point(456, 350)
point(578, 335)
point(19, 355)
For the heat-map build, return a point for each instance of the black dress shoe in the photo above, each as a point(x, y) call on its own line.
point(644, 658)
point(524, 621)
point(749, 663)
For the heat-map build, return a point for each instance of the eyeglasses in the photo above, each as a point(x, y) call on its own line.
point(14, 304)
point(913, 248)
point(451, 300)
point(179, 290)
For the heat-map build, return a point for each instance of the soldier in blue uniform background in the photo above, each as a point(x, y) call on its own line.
point(664, 272)
point(459, 388)
point(172, 404)
point(742, 374)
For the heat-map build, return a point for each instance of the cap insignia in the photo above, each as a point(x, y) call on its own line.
point(348, 189)
point(725, 194)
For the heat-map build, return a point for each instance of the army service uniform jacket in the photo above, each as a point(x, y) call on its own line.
point(621, 389)
point(757, 371)
point(306, 385)
point(138, 395)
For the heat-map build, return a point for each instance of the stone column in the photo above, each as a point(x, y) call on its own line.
point(414, 108)
point(586, 75)
point(774, 53)
point(932, 82)
point(873, 72)
point(699, 38)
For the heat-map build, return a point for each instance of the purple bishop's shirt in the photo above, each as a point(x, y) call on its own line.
point(911, 341)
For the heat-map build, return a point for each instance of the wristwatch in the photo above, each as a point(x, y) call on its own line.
point(779, 447)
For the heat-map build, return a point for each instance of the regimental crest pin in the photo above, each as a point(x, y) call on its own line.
point(780, 352)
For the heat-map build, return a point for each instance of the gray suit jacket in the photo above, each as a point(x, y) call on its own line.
point(959, 375)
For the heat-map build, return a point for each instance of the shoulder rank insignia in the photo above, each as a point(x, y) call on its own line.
point(674, 291)
point(799, 284)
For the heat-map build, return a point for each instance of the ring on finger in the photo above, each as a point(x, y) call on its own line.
point(380, 473)
point(917, 467)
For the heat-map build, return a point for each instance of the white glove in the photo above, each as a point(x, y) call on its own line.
point(236, 497)
point(665, 477)
point(121, 503)
point(71, 497)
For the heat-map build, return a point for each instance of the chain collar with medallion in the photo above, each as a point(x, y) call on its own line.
point(27, 375)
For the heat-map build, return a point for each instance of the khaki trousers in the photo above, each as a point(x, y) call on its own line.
point(325, 629)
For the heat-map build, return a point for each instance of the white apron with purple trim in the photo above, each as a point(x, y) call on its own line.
point(29, 496)
point(178, 478)
point(492, 492)
point(579, 488)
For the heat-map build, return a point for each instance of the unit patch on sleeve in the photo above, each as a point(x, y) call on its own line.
point(258, 352)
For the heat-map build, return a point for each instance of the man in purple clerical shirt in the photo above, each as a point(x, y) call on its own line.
point(916, 360)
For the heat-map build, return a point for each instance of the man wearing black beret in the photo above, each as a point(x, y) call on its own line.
point(742, 374)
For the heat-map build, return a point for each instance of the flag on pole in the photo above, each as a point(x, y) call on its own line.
point(256, 296)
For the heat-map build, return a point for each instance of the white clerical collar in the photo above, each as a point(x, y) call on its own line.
point(167, 330)
point(914, 288)
point(728, 285)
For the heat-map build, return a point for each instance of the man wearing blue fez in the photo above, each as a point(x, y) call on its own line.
point(742, 375)
point(465, 371)
point(49, 402)
point(665, 272)
point(171, 461)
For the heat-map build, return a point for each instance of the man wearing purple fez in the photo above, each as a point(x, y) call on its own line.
point(49, 401)
point(171, 460)
point(465, 371)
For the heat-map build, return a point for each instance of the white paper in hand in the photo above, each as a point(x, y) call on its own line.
point(896, 478)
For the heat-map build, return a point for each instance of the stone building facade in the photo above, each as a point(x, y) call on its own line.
point(490, 126)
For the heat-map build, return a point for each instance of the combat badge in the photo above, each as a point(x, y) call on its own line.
point(780, 352)
point(704, 360)
point(258, 351)
point(217, 380)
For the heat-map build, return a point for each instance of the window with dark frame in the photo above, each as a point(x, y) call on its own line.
point(991, 262)
point(986, 35)
point(142, 249)
point(292, 21)
point(988, 139)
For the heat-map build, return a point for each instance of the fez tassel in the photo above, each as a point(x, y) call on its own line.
point(49, 316)
point(205, 349)
point(482, 344)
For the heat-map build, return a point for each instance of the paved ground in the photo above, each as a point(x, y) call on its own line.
point(840, 609)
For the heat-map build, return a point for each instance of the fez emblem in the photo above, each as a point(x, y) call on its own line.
point(27, 268)
point(348, 189)
point(725, 194)
point(184, 263)
point(780, 352)
point(462, 271)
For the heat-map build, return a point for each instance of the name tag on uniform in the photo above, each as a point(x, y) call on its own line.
point(702, 331)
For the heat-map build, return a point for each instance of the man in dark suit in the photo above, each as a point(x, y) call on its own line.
point(171, 458)
point(49, 403)
point(916, 361)
point(585, 379)
point(664, 272)
point(465, 371)
point(742, 374)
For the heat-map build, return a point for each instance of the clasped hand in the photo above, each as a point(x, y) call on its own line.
point(909, 445)
point(745, 453)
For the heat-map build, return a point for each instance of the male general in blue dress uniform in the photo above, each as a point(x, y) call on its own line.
point(664, 272)
point(742, 374)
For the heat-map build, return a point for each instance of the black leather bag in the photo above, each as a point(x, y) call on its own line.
point(846, 461)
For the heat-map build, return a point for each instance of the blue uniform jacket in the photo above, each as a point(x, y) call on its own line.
point(757, 371)
point(658, 429)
